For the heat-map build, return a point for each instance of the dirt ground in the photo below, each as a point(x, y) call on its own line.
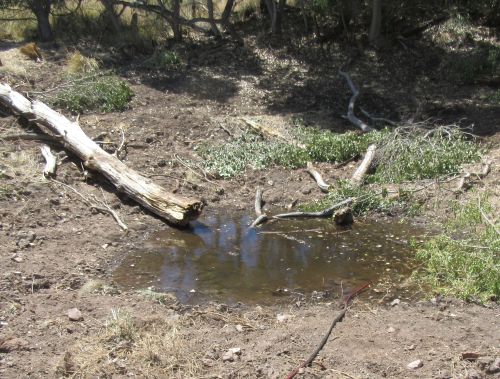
point(57, 254)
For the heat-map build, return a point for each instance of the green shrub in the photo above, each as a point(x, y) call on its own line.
point(105, 93)
point(161, 59)
point(414, 154)
point(231, 158)
point(465, 260)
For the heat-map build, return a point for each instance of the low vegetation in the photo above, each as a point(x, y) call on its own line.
point(102, 92)
point(464, 261)
point(156, 345)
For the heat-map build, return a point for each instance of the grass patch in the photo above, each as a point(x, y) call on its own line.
point(158, 297)
point(465, 67)
point(250, 150)
point(106, 93)
point(79, 64)
point(154, 347)
point(465, 260)
point(414, 153)
point(161, 60)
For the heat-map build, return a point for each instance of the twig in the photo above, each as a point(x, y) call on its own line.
point(350, 109)
point(486, 217)
point(337, 319)
point(317, 177)
point(374, 119)
point(103, 207)
point(122, 143)
point(51, 162)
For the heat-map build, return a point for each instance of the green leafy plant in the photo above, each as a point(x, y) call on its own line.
point(464, 261)
point(413, 153)
point(106, 93)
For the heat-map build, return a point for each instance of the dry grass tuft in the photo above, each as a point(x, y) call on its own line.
point(79, 64)
point(96, 286)
point(154, 347)
point(18, 169)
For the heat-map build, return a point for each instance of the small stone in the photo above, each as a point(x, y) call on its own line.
point(74, 314)
point(411, 347)
point(395, 302)
point(270, 182)
point(281, 317)
point(231, 355)
point(494, 367)
point(415, 364)
point(207, 362)
point(391, 330)
point(239, 328)
point(17, 259)
point(161, 163)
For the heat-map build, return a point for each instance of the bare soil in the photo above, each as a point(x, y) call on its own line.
point(54, 248)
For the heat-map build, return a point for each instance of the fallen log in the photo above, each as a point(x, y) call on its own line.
point(261, 217)
point(174, 209)
point(360, 173)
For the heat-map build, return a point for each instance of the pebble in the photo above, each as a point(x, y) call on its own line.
point(494, 367)
point(415, 364)
point(239, 328)
point(281, 317)
point(395, 302)
point(473, 374)
point(231, 355)
point(74, 314)
point(391, 330)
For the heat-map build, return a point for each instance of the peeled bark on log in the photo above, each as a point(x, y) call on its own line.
point(174, 209)
point(50, 162)
point(360, 173)
point(317, 177)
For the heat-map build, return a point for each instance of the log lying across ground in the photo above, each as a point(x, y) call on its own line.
point(174, 209)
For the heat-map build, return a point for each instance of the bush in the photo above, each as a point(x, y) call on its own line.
point(465, 260)
point(161, 59)
point(414, 153)
point(466, 67)
point(106, 93)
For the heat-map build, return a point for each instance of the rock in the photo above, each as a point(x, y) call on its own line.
point(415, 364)
point(395, 302)
point(391, 330)
point(74, 314)
point(25, 239)
point(281, 317)
point(239, 328)
point(494, 367)
point(231, 355)
point(470, 356)
point(207, 362)
point(12, 344)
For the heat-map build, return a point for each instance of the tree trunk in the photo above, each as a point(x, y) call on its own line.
point(279, 17)
point(41, 9)
point(226, 14)
point(111, 15)
point(213, 26)
point(176, 25)
point(376, 24)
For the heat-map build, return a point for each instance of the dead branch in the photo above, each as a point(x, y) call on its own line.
point(363, 168)
point(174, 209)
point(50, 162)
point(328, 212)
point(350, 109)
point(261, 217)
point(336, 320)
point(93, 203)
point(317, 177)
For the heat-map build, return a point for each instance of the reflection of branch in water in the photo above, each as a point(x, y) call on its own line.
point(291, 238)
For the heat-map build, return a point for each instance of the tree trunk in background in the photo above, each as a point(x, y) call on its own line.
point(226, 14)
point(376, 24)
point(213, 26)
point(111, 15)
point(41, 9)
point(279, 16)
point(275, 11)
point(176, 26)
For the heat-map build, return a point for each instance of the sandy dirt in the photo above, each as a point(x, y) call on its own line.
point(54, 248)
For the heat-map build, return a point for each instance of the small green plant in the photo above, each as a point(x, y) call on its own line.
point(464, 261)
point(121, 327)
point(415, 154)
point(161, 59)
point(106, 93)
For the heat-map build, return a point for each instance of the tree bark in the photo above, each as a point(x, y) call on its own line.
point(213, 25)
point(174, 209)
point(41, 9)
point(376, 23)
point(176, 26)
point(111, 15)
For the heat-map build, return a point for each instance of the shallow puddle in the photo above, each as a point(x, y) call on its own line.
point(220, 258)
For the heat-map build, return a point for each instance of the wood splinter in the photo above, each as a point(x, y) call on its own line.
point(49, 170)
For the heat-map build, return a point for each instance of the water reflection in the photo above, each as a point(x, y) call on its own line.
point(221, 258)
